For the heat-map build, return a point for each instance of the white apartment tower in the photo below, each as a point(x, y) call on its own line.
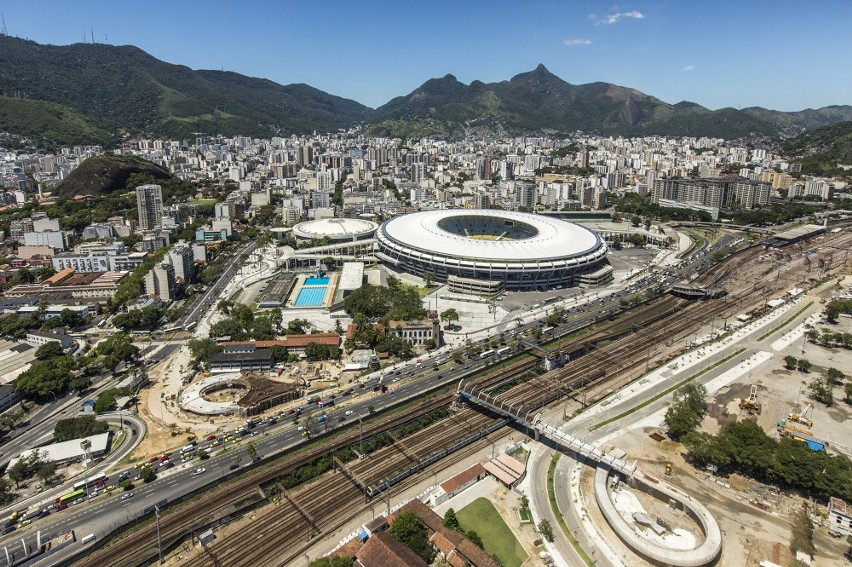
point(149, 202)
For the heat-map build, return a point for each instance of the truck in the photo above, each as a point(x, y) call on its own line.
point(321, 418)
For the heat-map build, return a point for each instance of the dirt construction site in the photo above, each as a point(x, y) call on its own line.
point(755, 517)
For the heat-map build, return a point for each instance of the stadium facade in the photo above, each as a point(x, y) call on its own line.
point(482, 248)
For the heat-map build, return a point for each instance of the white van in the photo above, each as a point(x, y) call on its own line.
point(88, 539)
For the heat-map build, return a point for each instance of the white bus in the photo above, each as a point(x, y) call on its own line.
point(504, 350)
point(168, 330)
point(190, 326)
point(486, 354)
point(87, 539)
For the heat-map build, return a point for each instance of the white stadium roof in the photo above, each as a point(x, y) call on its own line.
point(336, 229)
point(545, 238)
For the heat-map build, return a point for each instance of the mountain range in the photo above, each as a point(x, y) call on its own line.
point(97, 93)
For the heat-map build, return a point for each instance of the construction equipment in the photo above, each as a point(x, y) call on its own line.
point(751, 404)
point(785, 428)
point(668, 468)
point(803, 416)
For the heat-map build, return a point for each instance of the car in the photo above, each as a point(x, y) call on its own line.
point(291, 411)
point(300, 428)
point(208, 450)
point(186, 459)
point(211, 437)
point(164, 458)
point(167, 465)
point(61, 507)
point(348, 412)
point(79, 501)
point(137, 477)
point(198, 471)
point(237, 440)
point(23, 523)
point(153, 459)
point(93, 493)
point(126, 495)
point(109, 488)
point(124, 475)
point(9, 529)
point(234, 466)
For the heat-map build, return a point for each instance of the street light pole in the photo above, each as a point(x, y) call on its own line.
point(159, 542)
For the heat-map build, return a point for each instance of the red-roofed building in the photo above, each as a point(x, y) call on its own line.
point(457, 484)
point(382, 550)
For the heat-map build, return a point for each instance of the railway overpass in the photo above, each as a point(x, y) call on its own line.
point(612, 468)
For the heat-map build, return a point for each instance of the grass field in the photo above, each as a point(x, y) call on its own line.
point(498, 540)
point(203, 201)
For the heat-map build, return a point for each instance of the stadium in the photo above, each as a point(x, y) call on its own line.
point(336, 230)
point(486, 251)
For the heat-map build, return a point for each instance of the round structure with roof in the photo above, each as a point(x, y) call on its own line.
point(521, 250)
point(336, 230)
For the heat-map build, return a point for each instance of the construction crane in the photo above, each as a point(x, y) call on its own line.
point(803, 416)
point(751, 404)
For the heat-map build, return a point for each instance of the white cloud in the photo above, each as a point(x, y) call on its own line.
point(689, 68)
point(576, 41)
point(613, 18)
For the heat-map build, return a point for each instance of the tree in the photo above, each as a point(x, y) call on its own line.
point(45, 471)
point(803, 365)
point(686, 411)
point(147, 474)
point(848, 390)
point(251, 451)
point(821, 391)
point(546, 530)
point(790, 362)
point(428, 279)
point(49, 350)
point(126, 485)
point(451, 521)
point(18, 472)
point(449, 315)
point(635, 220)
point(835, 376)
point(202, 351)
point(408, 529)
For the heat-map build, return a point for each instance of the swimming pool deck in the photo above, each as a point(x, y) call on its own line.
point(301, 284)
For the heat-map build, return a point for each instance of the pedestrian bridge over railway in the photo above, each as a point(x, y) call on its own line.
point(612, 464)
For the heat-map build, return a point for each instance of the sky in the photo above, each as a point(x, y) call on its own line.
point(780, 54)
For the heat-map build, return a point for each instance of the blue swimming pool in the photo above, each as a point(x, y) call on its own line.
point(316, 281)
point(310, 296)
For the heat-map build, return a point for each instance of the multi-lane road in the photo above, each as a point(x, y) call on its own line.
point(107, 511)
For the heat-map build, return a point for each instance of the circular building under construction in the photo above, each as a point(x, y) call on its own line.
point(485, 251)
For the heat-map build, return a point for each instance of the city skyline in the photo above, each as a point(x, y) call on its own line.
point(727, 54)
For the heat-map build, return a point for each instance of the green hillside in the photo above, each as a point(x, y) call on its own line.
point(125, 86)
point(821, 150)
point(50, 122)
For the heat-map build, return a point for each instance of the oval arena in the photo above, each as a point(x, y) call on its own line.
point(519, 251)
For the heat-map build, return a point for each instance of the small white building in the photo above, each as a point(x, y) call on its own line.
point(839, 516)
point(69, 451)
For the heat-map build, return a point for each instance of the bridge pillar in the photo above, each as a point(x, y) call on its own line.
point(535, 433)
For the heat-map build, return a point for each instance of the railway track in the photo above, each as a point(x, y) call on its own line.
point(321, 506)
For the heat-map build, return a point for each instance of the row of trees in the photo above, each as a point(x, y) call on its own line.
point(745, 448)
point(144, 318)
point(78, 428)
